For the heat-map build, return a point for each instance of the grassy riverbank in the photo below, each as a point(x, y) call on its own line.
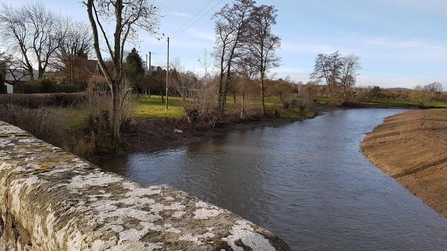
point(154, 127)
point(411, 147)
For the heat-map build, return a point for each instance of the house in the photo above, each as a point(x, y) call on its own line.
point(92, 67)
point(17, 75)
point(9, 88)
point(17, 78)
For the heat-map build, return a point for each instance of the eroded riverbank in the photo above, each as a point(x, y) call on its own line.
point(412, 148)
point(153, 135)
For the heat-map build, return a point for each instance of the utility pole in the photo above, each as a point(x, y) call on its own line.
point(150, 74)
point(167, 78)
point(150, 59)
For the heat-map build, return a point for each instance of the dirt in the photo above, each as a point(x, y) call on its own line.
point(154, 135)
point(412, 148)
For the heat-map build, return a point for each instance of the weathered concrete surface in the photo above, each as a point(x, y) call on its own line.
point(52, 200)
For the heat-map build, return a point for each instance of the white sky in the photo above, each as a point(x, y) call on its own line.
point(401, 43)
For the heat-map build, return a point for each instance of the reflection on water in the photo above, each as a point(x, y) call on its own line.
point(307, 182)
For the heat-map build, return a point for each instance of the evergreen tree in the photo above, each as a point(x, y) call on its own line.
point(134, 70)
point(134, 63)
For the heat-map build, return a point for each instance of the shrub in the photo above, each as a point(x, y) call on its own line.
point(67, 88)
point(39, 100)
point(94, 138)
point(43, 123)
point(32, 87)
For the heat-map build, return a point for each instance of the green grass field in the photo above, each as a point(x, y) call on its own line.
point(154, 108)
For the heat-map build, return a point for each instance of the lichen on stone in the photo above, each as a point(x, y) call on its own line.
point(62, 202)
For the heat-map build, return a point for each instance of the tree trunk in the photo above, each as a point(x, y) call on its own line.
point(263, 112)
point(221, 106)
point(115, 116)
point(329, 87)
point(243, 107)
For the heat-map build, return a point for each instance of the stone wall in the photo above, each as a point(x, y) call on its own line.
point(52, 200)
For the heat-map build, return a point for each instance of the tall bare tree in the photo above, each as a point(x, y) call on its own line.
point(231, 24)
point(34, 32)
point(157, 81)
point(329, 68)
point(73, 52)
point(351, 66)
point(128, 17)
point(204, 61)
point(261, 43)
point(246, 72)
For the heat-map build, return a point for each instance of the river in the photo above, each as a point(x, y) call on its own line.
point(308, 182)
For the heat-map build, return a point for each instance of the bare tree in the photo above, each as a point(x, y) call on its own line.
point(310, 91)
point(329, 68)
point(246, 72)
point(204, 61)
point(419, 95)
point(261, 44)
point(282, 88)
point(351, 66)
point(41, 39)
point(231, 24)
point(433, 89)
point(74, 51)
point(157, 81)
point(32, 31)
point(128, 17)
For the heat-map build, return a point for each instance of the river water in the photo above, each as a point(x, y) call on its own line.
point(308, 182)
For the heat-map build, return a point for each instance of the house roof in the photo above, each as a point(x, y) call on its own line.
point(19, 74)
point(92, 66)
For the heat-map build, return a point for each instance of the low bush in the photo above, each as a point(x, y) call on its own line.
point(41, 100)
point(43, 123)
point(66, 88)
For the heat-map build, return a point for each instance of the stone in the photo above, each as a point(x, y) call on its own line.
point(53, 200)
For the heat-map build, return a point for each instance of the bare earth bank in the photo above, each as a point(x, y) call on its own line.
point(152, 135)
point(412, 148)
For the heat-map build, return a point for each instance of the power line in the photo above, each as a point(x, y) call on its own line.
point(181, 30)
point(174, 34)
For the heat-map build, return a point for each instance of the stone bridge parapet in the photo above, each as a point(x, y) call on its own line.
point(53, 200)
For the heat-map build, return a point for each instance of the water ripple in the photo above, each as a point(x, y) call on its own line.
point(308, 182)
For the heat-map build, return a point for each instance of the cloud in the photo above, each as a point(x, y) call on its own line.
point(201, 34)
point(415, 50)
point(432, 6)
point(179, 14)
point(406, 44)
point(391, 82)
point(307, 48)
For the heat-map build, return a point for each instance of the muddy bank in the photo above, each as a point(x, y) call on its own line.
point(154, 135)
point(412, 148)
